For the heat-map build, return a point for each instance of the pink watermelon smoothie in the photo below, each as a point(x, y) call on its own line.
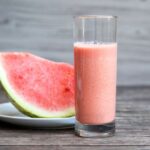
point(95, 77)
point(38, 87)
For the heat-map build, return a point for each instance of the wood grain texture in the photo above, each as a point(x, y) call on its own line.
point(74, 148)
point(45, 28)
point(132, 128)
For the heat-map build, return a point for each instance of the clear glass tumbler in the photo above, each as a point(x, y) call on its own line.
point(95, 59)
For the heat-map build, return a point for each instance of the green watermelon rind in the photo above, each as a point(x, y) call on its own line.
point(27, 108)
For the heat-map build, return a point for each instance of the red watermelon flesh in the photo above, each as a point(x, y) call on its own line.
point(36, 86)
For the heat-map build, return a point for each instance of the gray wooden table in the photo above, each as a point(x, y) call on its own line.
point(132, 129)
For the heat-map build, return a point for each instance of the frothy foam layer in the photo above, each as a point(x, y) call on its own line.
point(92, 44)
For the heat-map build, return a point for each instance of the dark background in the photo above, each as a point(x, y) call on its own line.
point(44, 27)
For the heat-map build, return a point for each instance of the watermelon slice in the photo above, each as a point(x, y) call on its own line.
point(36, 86)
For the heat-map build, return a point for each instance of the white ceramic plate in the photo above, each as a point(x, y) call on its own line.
point(10, 114)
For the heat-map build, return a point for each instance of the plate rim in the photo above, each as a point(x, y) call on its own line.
point(30, 118)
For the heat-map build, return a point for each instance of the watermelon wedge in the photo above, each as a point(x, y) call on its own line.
point(36, 86)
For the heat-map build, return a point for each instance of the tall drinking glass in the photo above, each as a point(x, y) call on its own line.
point(95, 59)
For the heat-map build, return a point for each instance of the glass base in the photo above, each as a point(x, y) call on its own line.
point(85, 130)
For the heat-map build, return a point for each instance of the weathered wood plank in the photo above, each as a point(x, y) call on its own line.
point(74, 147)
point(45, 28)
point(76, 141)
